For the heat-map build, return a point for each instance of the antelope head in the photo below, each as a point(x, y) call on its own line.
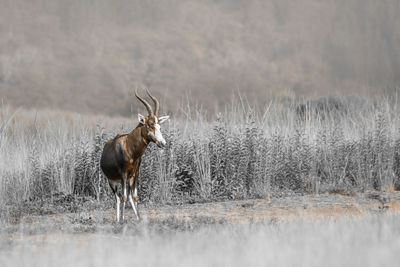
point(152, 123)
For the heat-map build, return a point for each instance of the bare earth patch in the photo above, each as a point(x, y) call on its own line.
point(311, 207)
point(91, 214)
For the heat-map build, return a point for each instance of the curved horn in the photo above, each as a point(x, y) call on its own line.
point(147, 105)
point(156, 103)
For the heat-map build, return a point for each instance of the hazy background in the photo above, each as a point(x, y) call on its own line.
point(88, 55)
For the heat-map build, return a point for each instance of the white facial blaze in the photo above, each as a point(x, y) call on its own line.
point(158, 135)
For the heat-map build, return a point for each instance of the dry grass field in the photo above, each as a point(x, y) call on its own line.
point(333, 144)
point(363, 242)
point(317, 230)
point(304, 183)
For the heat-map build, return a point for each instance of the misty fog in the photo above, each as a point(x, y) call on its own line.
point(89, 55)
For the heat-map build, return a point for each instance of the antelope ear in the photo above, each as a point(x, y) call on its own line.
point(141, 118)
point(163, 119)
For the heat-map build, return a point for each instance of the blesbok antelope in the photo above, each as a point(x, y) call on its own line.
point(121, 157)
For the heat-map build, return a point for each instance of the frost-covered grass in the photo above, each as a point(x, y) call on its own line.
point(371, 241)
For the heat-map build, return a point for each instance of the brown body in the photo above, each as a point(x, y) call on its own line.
point(121, 157)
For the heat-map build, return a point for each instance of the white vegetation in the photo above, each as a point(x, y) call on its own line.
point(371, 241)
point(348, 144)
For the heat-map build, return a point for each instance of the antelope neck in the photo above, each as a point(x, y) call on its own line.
point(138, 132)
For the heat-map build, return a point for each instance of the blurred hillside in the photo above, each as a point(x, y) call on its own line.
point(88, 55)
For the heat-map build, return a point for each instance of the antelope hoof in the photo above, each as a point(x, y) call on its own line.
point(138, 217)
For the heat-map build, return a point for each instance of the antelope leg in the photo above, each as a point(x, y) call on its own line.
point(124, 198)
point(118, 206)
point(135, 197)
point(130, 197)
point(133, 206)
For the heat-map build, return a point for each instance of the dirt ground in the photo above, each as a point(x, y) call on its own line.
point(89, 214)
point(309, 207)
